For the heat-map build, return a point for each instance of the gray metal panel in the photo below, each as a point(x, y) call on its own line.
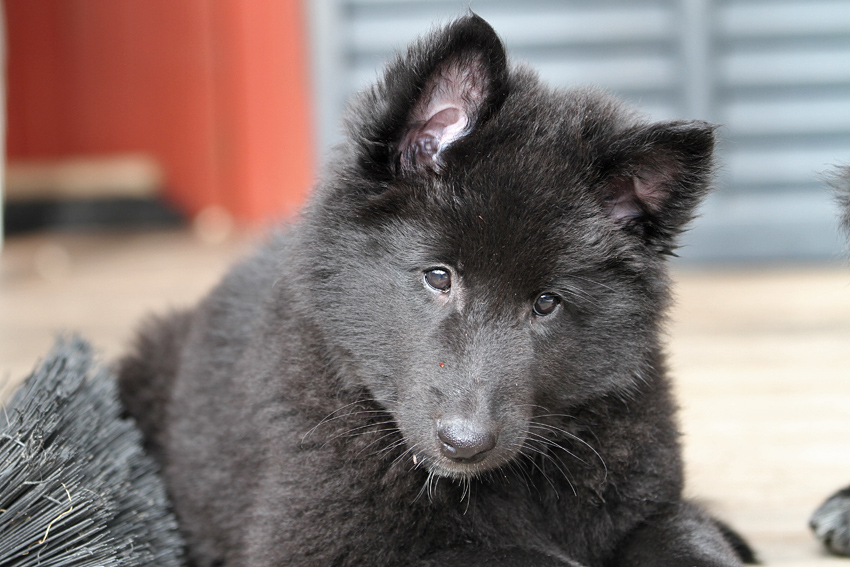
point(784, 18)
point(776, 73)
point(782, 90)
point(569, 42)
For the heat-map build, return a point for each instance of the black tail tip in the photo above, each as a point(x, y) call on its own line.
point(739, 545)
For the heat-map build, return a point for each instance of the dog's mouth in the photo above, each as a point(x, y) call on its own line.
point(461, 451)
point(458, 469)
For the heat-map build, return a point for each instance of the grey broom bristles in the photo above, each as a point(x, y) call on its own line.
point(76, 489)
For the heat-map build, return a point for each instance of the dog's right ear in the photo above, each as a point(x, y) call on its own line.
point(429, 99)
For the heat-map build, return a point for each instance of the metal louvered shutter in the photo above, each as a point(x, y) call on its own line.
point(775, 73)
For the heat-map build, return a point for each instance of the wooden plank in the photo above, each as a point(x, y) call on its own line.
point(133, 175)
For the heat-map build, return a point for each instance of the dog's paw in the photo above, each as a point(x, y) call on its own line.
point(831, 522)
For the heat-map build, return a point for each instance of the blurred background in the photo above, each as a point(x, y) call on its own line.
point(150, 142)
point(232, 105)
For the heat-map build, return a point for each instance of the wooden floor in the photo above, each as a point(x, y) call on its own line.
point(761, 359)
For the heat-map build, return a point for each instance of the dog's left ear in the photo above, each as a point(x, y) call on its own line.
point(655, 175)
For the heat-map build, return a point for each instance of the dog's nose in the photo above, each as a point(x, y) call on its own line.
point(465, 442)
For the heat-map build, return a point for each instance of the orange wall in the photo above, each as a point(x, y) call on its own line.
point(217, 90)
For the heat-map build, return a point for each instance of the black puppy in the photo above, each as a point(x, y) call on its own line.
point(454, 356)
point(831, 521)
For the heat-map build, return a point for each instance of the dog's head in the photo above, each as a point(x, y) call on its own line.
point(489, 251)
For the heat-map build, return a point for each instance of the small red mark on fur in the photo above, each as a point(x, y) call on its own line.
point(442, 364)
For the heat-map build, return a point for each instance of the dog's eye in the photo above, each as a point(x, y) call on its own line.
point(439, 279)
point(546, 304)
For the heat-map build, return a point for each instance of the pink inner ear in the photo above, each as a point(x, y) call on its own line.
point(632, 196)
point(445, 126)
point(451, 98)
point(624, 203)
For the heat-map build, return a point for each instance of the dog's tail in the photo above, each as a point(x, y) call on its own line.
point(742, 549)
point(146, 375)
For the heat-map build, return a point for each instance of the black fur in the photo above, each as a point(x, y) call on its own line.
point(148, 376)
point(325, 406)
point(831, 521)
